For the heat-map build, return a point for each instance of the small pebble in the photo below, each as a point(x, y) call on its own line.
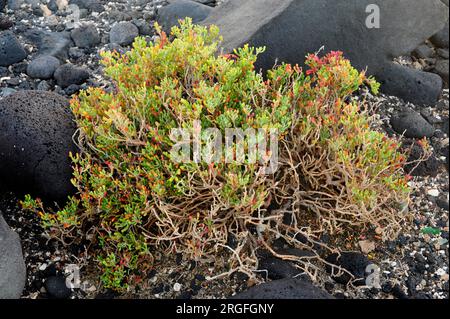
point(433, 192)
point(177, 287)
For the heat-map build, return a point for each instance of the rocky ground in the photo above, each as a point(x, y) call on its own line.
point(50, 45)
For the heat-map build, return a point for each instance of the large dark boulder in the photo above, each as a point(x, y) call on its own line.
point(12, 265)
point(11, 51)
point(412, 85)
point(411, 124)
point(289, 288)
point(290, 29)
point(36, 130)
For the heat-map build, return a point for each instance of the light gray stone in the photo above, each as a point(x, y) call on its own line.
point(12, 265)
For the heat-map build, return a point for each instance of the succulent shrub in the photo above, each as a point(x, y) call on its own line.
point(336, 174)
